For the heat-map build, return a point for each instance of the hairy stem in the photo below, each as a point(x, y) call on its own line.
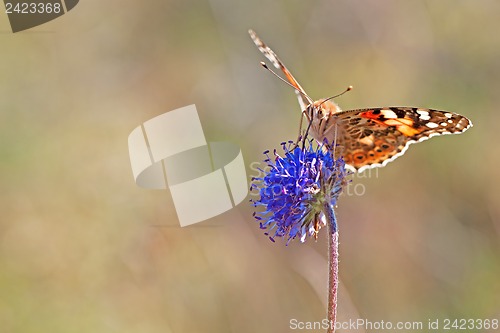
point(333, 265)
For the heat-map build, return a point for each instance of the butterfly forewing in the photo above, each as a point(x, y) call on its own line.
point(273, 58)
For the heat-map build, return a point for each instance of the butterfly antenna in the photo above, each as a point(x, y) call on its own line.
point(338, 95)
point(263, 64)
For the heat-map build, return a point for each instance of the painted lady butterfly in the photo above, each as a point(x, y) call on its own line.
point(369, 137)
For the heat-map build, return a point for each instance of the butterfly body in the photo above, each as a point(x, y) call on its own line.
point(371, 137)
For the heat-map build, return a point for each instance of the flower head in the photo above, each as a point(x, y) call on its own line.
point(295, 189)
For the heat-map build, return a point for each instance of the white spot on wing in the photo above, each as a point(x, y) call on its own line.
point(389, 114)
point(424, 115)
point(431, 125)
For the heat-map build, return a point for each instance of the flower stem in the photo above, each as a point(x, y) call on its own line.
point(333, 265)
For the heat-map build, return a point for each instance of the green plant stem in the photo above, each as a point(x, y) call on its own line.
point(333, 265)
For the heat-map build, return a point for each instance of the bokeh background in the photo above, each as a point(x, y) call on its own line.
point(83, 249)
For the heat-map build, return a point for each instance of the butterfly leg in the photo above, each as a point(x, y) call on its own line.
point(310, 120)
point(299, 137)
point(329, 128)
point(335, 143)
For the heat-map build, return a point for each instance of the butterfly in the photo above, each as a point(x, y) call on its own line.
point(370, 137)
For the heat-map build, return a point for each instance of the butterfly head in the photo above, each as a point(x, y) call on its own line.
point(321, 115)
point(323, 109)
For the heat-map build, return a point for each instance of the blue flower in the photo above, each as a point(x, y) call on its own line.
point(296, 189)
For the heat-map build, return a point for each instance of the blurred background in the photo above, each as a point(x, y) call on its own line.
point(83, 249)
